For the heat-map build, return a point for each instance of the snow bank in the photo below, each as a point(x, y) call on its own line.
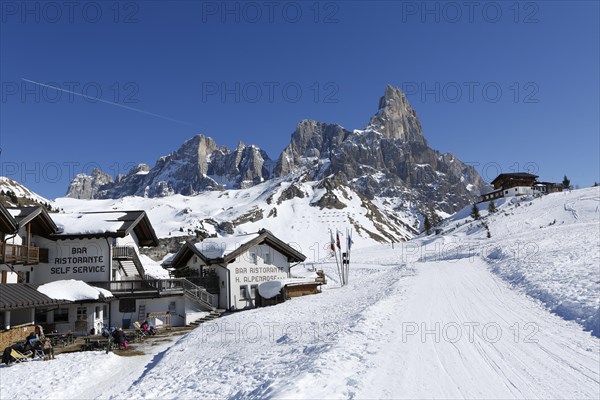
point(72, 290)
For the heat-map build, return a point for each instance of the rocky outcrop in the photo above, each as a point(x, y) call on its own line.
point(87, 186)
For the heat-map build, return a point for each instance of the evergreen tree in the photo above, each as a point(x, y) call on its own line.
point(475, 212)
point(427, 225)
point(596, 184)
point(492, 207)
point(566, 183)
point(433, 215)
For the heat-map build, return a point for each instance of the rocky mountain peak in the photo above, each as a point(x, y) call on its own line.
point(396, 118)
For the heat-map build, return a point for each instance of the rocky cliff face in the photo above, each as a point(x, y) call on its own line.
point(87, 186)
point(197, 166)
point(388, 159)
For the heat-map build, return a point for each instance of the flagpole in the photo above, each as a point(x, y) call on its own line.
point(349, 243)
point(339, 246)
point(336, 258)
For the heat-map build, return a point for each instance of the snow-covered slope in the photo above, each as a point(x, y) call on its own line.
point(287, 209)
point(9, 185)
point(549, 247)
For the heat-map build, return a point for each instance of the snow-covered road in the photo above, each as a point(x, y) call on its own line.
point(462, 333)
point(443, 329)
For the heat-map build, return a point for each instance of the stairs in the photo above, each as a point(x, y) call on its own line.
point(129, 268)
point(212, 316)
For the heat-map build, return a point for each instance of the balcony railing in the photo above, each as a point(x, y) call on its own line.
point(159, 287)
point(19, 254)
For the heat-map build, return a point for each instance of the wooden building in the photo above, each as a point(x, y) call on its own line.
point(519, 184)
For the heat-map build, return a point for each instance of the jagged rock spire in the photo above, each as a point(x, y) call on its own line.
point(396, 118)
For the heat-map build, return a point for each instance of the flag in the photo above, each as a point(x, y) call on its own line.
point(337, 240)
point(350, 242)
point(332, 242)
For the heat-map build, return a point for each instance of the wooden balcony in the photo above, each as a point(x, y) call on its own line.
point(19, 254)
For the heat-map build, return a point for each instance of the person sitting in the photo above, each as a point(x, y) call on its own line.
point(120, 339)
point(32, 343)
point(148, 328)
point(39, 331)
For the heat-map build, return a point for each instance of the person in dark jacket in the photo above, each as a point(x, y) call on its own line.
point(120, 339)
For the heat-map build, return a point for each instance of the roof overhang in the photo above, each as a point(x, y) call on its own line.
point(7, 222)
point(15, 296)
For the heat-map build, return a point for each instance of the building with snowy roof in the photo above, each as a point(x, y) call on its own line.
point(91, 262)
point(233, 267)
point(519, 184)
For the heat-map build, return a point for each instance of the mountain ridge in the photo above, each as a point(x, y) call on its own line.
point(388, 162)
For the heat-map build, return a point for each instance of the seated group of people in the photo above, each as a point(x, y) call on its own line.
point(35, 344)
point(117, 335)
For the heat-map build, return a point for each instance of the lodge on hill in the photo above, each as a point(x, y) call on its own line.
point(519, 184)
point(80, 272)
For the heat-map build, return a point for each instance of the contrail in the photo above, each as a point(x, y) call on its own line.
point(110, 102)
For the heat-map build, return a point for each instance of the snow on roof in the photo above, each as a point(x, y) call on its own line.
point(72, 290)
point(153, 268)
point(271, 289)
point(221, 247)
point(84, 223)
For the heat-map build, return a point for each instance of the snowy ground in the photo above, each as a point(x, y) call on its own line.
point(437, 317)
point(437, 329)
point(548, 248)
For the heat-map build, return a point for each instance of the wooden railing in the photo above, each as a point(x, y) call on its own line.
point(159, 287)
point(19, 254)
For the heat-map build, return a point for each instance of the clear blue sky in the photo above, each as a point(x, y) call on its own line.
point(195, 67)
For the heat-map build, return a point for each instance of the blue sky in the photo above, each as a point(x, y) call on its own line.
point(505, 86)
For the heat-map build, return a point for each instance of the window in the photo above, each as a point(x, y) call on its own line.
point(243, 292)
point(195, 260)
point(81, 313)
point(127, 305)
point(22, 277)
point(61, 315)
point(172, 307)
point(506, 192)
point(253, 258)
point(253, 290)
point(267, 258)
point(41, 316)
